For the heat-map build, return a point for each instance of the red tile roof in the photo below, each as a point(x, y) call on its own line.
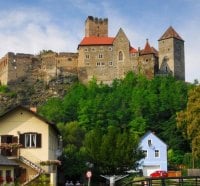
point(132, 50)
point(92, 40)
point(170, 33)
point(148, 49)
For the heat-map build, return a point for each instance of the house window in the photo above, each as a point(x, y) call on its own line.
point(145, 153)
point(1, 173)
point(30, 140)
point(157, 154)
point(120, 56)
point(149, 142)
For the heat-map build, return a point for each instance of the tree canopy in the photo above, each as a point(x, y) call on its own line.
point(188, 120)
point(117, 115)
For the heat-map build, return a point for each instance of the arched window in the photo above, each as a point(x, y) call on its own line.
point(120, 56)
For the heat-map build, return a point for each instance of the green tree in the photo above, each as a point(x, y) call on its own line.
point(112, 151)
point(52, 110)
point(188, 121)
point(73, 157)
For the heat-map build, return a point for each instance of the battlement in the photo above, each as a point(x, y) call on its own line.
point(96, 27)
point(98, 20)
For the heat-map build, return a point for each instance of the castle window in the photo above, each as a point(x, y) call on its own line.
point(157, 153)
point(110, 48)
point(70, 59)
point(110, 63)
point(120, 56)
point(87, 56)
point(86, 49)
point(100, 56)
point(102, 64)
point(98, 64)
point(93, 49)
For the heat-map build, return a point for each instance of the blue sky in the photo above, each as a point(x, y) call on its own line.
point(28, 26)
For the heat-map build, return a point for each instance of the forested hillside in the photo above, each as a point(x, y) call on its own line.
point(94, 119)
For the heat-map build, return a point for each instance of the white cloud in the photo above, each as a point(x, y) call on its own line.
point(30, 30)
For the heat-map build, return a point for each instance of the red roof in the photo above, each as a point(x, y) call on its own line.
point(132, 50)
point(148, 49)
point(170, 33)
point(93, 40)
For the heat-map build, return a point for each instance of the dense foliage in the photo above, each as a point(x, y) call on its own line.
point(123, 111)
point(188, 121)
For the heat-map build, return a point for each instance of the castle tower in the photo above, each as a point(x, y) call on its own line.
point(96, 27)
point(171, 54)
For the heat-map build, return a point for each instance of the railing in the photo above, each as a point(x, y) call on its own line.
point(31, 164)
point(169, 181)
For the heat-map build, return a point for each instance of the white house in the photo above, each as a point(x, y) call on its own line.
point(155, 151)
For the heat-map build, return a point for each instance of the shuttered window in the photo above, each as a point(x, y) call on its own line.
point(30, 140)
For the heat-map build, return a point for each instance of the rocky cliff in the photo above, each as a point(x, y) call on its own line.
point(33, 95)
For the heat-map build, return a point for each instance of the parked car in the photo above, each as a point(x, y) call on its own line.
point(159, 174)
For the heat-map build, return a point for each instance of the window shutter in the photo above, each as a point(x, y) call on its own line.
point(39, 140)
point(3, 139)
point(22, 139)
point(15, 150)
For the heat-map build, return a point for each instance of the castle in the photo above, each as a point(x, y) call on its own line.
point(100, 56)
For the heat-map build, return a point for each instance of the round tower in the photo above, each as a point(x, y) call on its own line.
point(171, 54)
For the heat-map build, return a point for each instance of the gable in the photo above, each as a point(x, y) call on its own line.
point(149, 136)
point(25, 119)
point(121, 37)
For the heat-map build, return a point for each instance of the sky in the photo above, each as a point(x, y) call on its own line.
point(29, 26)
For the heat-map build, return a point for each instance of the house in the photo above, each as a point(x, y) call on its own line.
point(7, 168)
point(30, 141)
point(155, 151)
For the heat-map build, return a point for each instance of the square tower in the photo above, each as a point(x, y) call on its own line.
point(96, 27)
point(171, 54)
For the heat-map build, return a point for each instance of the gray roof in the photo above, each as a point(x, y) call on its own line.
point(6, 162)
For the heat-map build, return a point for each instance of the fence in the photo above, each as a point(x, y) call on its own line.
point(169, 181)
